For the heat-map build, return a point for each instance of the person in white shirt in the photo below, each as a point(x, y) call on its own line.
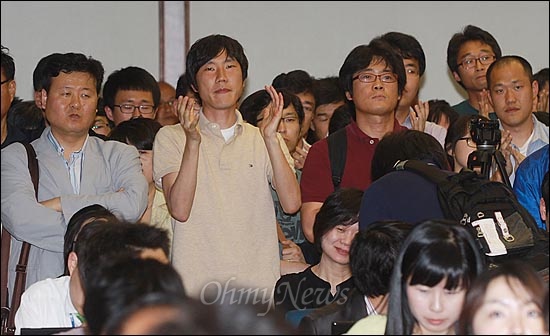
point(48, 303)
point(58, 302)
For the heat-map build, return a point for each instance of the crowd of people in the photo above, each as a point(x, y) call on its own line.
point(195, 209)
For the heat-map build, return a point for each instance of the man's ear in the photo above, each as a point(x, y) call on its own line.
point(72, 262)
point(12, 86)
point(456, 77)
point(349, 96)
point(109, 113)
point(311, 125)
point(535, 88)
point(43, 98)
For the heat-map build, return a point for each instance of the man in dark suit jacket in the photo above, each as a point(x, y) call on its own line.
point(372, 256)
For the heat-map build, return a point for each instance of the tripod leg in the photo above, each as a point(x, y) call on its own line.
point(501, 164)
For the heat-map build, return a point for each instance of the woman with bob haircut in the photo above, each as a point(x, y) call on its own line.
point(330, 280)
point(436, 265)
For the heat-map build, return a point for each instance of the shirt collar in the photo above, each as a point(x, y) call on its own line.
point(57, 146)
point(205, 124)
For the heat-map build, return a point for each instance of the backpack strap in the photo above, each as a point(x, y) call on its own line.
point(432, 173)
point(21, 268)
point(6, 244)
point(337, 148)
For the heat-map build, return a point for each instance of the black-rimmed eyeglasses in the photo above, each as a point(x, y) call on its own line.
point(129, 108)
point(469, 142)
point(470, 62)
point(368, 77)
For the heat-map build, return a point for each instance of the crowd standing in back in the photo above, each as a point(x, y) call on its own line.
point(289, 198)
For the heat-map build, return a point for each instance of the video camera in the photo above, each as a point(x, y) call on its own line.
point(485, 133)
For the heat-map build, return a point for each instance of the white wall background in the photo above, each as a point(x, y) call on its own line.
point(277, 36)
point(317, 36)
point(117, 33)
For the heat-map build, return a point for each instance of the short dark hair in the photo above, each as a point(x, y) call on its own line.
point(470, 33)
point(28, 118)
point(252, 105)
point(38, 72)
point(341, 207)
point(406, 145)
point(328, 90)
point(52, 65)
point(186, 315)
point(189, 316)
point(207, 48)
point(8, 64)
point(373, 253)
point(87, 214)
point(408, 47)
point(542, 77)
point(295, 81)
point(130, 78)
point(120, 281)
point(102, 240)
point(341, 117)
point(439, 108)
point(138, 132)
point(362, 56)
point(183, 87)
point(504, 60)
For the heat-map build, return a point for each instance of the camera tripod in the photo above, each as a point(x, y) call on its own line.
point(483, 157)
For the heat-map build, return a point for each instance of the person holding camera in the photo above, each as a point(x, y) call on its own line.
point(476, 133)
point(512, 89)
point(459, 143)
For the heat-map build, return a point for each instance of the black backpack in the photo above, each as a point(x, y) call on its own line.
point(502, 227)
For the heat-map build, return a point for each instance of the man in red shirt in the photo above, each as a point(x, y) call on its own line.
point(373, 78)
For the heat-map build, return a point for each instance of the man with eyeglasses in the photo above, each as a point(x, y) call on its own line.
point(102, 125)
point(469, 55)
point(166, 112)
point(373, 78)
point(10, 133)
point(129, 93)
